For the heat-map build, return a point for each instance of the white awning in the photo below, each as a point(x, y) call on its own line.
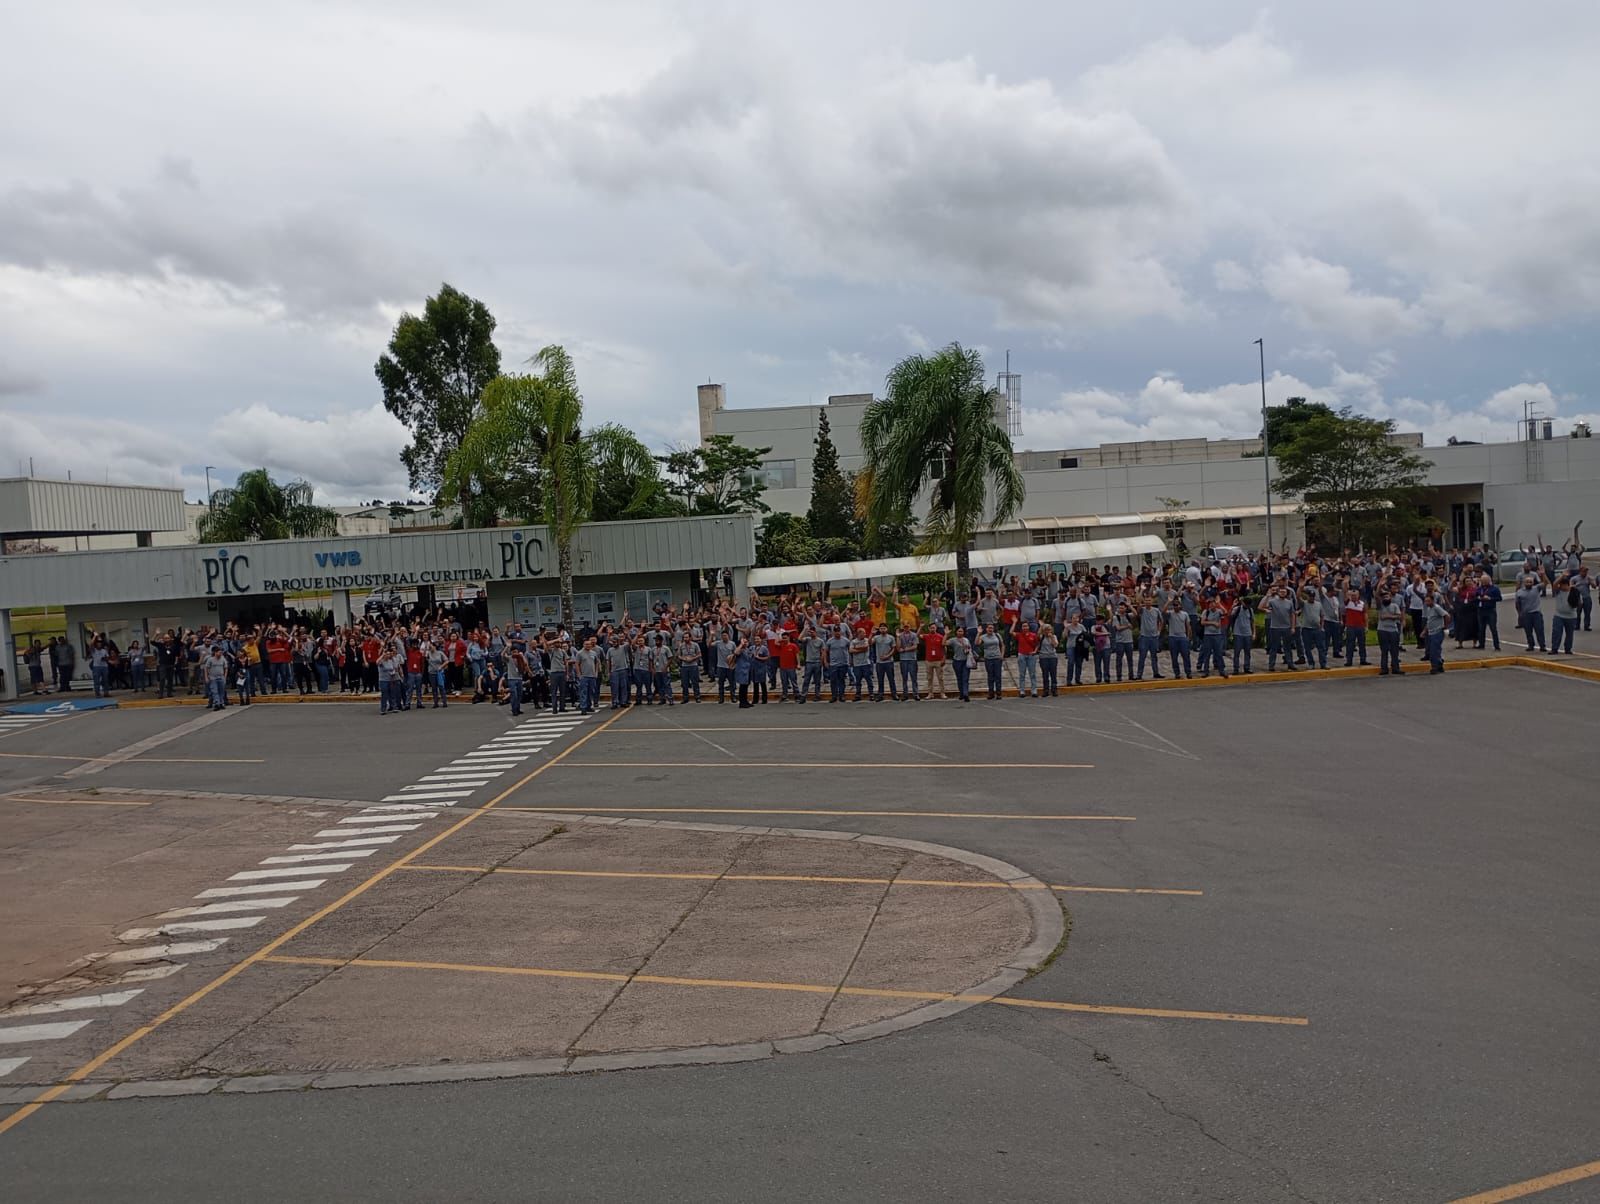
point(986, 558)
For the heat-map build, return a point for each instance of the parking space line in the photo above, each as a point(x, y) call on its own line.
point(261, 953)
point(1098, 1009)
point(1516, 1191)
point(959, 728)
point(602, 810)
point(824, 765)
point(701, 877)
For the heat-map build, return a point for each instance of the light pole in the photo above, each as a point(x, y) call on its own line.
point(1266, 451)
point(209, 467)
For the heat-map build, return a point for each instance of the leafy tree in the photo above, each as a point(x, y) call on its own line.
point(1286, 422)
point(785, 539)
point(257, 507)
point(1351, 477)
point(529, 434)
point(628, 481)
point(433, 377)
point(937, 426)
point(1172, 509)
point(718, 477)
point(833, 510)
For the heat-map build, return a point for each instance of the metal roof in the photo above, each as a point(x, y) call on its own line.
point(30, 507)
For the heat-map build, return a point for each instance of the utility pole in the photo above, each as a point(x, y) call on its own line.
point(209, 467)
point(1266, 450)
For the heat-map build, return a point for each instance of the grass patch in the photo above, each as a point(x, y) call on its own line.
point(1061, 945)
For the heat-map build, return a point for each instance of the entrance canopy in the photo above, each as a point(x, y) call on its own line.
point(1020, 555)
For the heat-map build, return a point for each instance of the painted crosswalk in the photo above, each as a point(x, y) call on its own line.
point(249, 897)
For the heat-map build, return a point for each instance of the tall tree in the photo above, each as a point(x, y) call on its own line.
point(719, 477)
point(530, 433)
point(1286, 422)
point(833, 512)
point(938, 426)
point(785, 539)
point(433, 377)
point(1349, 474)
point(628, 481)
point(257, 507)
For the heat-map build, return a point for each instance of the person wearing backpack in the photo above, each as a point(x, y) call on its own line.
point(1568, 601)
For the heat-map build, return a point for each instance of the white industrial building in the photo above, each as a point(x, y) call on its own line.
point(1198, 490)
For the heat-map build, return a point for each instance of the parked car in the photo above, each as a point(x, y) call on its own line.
point(1513, 563)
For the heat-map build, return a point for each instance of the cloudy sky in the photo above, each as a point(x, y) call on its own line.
point(211, 215)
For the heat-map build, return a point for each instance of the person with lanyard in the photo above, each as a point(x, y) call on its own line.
point(812, 647)
point(993, 650)
point(883, 645)
point(1048, 661)
point(1391, 626)
point(906, 643)
point(933, 649)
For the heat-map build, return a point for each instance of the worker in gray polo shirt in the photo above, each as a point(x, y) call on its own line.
point(883, 661)
point(1530, 610)
point(1149, 639)
point(1312, 638)
point(836, 658)
point(811, 676)
point(1391, 627)
point(1279, 607)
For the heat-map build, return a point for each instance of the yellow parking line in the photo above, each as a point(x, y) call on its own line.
point(53, 1092)
point(825, 765)
point(803, 987)
point(802, 811)
point(710, 877)
point(1515, 1191)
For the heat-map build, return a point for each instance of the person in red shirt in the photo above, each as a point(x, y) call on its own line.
point(279, 656)
point(1027, 637)
point(933, 653)
point(787, 653)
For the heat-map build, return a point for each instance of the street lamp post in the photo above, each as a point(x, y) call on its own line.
point(209, 467)
point(1266, 450)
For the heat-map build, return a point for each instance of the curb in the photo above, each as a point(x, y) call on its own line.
point(1044, 911)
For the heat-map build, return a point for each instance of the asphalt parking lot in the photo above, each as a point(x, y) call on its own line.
point(1328, 941)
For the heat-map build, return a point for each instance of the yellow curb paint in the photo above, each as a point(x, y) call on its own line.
point(1516, 1191)
point(709, 877)
point(1127, 819)
point(824, 765)
point(1098, 1009)
point(233, 971)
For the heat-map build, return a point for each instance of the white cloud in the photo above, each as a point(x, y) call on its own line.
point(931, 172)
point(1232, 277)
point(1323, 297)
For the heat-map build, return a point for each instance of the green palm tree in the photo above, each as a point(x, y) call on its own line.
point(257, 507)
point(530, 431)
point(937, 426)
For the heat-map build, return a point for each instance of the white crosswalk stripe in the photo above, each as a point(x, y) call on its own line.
point(298, 858)
point(421, 792)
point(343, 844)
point(77, 1003)
point(369, 831)
point(266, 888)
point(7, 1065)
point(190, 928)
point(322, 868)
point(211, 909)
point(24, 1033)
point(155, 953)
point(383, 819)
point(454, 779)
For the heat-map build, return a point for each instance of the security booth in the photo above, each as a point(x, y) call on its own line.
point(620, 569)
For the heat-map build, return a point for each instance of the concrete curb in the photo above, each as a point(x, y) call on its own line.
point(1044, 912)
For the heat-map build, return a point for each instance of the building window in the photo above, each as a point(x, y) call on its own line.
point(939, 467)
point(1232, 526)
point(1060, 535)
point(1069, 461)
point(778, 474)
point(1175, 530)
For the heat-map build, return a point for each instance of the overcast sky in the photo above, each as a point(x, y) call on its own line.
point(211, 215)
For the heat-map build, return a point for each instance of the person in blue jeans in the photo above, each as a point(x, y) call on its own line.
point(1178, 638)
point(1435, 618)
point(517, 672)
point(1149, 640)
point(1489, 598)
point(994, 651)
point(1244, 636)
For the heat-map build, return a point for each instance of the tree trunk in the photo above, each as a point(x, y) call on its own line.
point(964, 565)
point(564, 558)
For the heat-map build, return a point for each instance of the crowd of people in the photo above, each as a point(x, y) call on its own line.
point(1108, 624)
